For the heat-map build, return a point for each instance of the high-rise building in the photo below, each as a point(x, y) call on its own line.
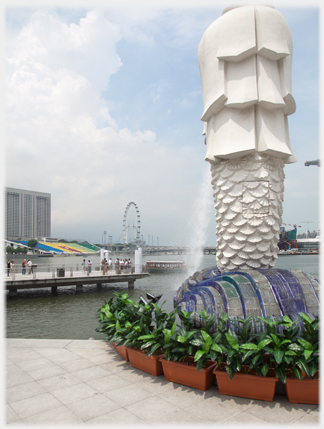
point(27, 214)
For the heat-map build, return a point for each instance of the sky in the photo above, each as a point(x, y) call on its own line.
point(103, 108)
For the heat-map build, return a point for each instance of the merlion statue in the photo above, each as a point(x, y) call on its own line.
point(245, 66)
point(245, 61)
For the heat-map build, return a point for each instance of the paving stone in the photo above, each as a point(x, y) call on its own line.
point(311, 418)
point(35, 405)
point(87, 344)
point(63, 356)
point(16, 377)
point(96, 406)
point(59, 382)
point(76, 364)
point(94, 385)
point(280, 411)
point(183, 396)
point(30, 365)
point(11, 416)
point(9, 362)
point(211, 410)
point(37, 343)
point(17, 355)
point(242, 404)
point(86, 353)
point(152, 410)
point(101, 358)
point(182, 417)
point(49, 371)
point(60, 415)
point(50, 351)
point(117, 417)
point(134, 375)
point(91, 373)
point(13, 342)
point(23, 391)
point(116, 365)
point(127, 395)
point(107, 383)
point(245, 419)
point(74, 393)
point(156, 385)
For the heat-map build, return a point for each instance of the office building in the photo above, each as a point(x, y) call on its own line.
point(27, 214)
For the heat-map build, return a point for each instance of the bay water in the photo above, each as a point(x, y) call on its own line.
point(36, 313)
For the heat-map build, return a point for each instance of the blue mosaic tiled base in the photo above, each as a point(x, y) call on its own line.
point(261, 292)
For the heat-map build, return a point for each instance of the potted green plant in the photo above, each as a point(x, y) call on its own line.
point(302, 383)
point(188, 353)
point(244, 372)
point(111, 317)
point(144, 345)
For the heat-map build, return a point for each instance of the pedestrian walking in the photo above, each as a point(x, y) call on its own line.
point(83, 265)
point(89, 266)
point(8, 267)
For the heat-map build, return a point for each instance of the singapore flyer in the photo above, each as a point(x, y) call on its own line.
point(136, 227)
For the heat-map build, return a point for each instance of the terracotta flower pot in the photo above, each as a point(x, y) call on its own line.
point(182, 373)
point(151, 364)
point(122, 351)
point(304, 391)
point(250, 385)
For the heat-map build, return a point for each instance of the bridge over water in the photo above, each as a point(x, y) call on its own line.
point(158, 250)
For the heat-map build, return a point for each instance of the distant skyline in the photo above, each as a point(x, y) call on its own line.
point(103, 107)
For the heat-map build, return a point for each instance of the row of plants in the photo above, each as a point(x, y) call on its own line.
point(276, 348)
point(18, 251)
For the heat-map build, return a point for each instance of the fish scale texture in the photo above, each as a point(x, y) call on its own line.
point(248, 195)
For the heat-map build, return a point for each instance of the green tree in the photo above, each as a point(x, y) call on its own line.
point(32, 242)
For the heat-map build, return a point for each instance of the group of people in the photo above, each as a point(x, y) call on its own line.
point(84, 266)
point(106, 265)
point(123, 264)
point(10, 265)
point(26, 265)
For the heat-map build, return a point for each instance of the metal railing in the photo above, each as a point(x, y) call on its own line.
point(64, 270)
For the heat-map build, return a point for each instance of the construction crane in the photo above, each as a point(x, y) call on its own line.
point(309, 234)
point(316, 162)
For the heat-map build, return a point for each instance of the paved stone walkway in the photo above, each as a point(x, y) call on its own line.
point(86, 382)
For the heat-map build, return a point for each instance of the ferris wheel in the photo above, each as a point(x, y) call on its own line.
point(136, 227)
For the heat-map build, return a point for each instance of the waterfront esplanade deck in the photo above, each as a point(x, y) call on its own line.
point(15, 281)
point(65, 382)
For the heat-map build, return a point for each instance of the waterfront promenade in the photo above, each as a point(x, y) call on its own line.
point(86, 382)
point(42, 279)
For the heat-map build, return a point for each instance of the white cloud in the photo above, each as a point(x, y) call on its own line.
point(61, 138)
point(75, 47)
